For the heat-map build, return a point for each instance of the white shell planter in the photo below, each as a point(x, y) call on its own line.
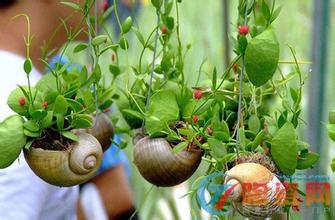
point(74, 166)
point(258, 192)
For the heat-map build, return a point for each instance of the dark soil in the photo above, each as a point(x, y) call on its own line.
point(52, 140)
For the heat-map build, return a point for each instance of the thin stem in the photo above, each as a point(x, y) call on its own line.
point(117, 15)
point(153, 63)
point(180, 56)
point(143, 202)
point(239, 113)
point(145, 47)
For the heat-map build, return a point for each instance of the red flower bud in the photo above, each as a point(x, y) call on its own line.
point(45, 104)
point(195, 119)
point(197, 94)
point(296, 208)
point(300, 199)
point(209, 131)
point(243, 29)
point(107, 110)
point(164, 29)
point(22, 101)
point(235, 67)
point(105, 5)
point(113, 57)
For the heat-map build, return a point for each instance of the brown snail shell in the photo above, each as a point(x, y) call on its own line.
point(73, 166)
point(160, 166)
point(258, 192)
point(102, 130)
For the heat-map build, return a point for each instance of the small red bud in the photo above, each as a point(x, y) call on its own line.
point(296, 208)
point(235, 67)
point(22, 101)
point(209, 131)
point(243, 29)
point(197, 94)
point(105, 5)
point(300, 199)
point(113, 57)
point(195, 119)
point(164, 29)
point(107, 110)
point(45, 104)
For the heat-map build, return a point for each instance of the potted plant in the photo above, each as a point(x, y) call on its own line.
point(51, 116)
point(229, 121)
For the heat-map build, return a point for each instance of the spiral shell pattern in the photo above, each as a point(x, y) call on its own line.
point(160, 166)
point(67, 168)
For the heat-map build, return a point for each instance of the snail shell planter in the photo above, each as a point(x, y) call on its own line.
point(160, 166)
point(257, 193)
point(70, 167)
point(102, 130)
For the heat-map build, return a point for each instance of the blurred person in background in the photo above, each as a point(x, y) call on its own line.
point(23, 195)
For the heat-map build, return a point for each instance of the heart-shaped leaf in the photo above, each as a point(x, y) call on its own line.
point(261, 57)
point(12, 140)
point(163, 109)
point(284, 149)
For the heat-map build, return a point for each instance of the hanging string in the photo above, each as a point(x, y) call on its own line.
point(152, 65)
point(95, 62)
point(239, 113)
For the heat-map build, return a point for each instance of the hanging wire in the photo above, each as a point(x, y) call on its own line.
point(95, 84)
point(239, 113)
point(152, 65)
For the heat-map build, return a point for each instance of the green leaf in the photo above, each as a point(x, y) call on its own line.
point(126, 26)
point(214, 79)
point(262, 56)
point(70, 135)
point(27, 66)
point(124, 43)
point(254, 124)
point(331, 117)
point(47, 120)
point(242, 44)
point(331, 131)
point(163, 109)
point(60, 105)
point(307, 160)
point(332, 165)
point(275, 14)
point(221, 135)
point(284, 149)
point(133, 113)
point(139, 36)
point(28, 144)
point(38, 114)
point(218, 149)
point(97, 73)
point(32, 134)
point(60, 121)
point(180, 147)
point(80, 47)
point(157, 3)
point(75, 105)
point(115, 70)
point(100, 39)
point(12, 140)
point(72, 5)
point(266, 11)
point(31, 125)
point(82, 121)
point(258, 139)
